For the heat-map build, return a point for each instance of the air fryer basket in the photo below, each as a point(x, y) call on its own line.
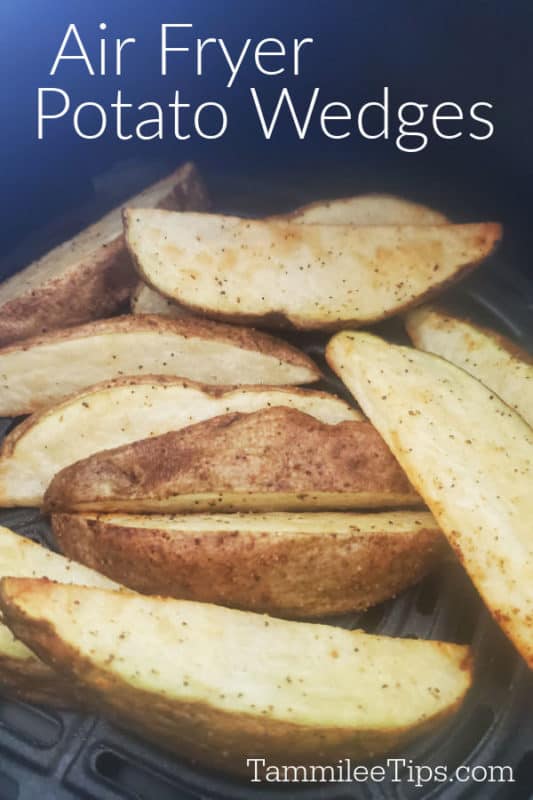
point(52, 755)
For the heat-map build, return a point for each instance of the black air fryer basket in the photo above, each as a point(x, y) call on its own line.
point(52, 755)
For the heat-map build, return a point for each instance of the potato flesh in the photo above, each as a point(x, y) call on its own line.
point(113, 415)
point(310, 675)
point(286, 564)
point(249, 501)
point(148, 301)
point(316, 524)
point(68, 254)
point(314, 276)
point(274, 459)
point(20, 557)
point(469, 456)
point(35, 377)
point(490, 358)
point(63, 258)
point(368, 209)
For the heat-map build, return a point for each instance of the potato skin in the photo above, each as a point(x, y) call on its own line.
point(220, 739)
point(95, 288)
point(384, 290)
point(32, 681)
point(468, 453)
point(284, 574)
point(245, 338)
point(272, 452)
point(99, 284)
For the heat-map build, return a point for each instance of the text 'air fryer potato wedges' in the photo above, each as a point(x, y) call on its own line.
point(277, 459)
point(22, 674)
point(43, 370)
point(289, 692)
point(364, 209)
point(491, 358)
point(121, 411)
point(305, 276)
point(469, 455)
point(89, 276)
point(288, 564)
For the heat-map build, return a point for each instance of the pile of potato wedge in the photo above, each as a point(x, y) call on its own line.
point(211, 514)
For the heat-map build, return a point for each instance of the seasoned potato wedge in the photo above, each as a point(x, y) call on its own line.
point(491, 358)
point(126, 409)
point(46, 369)
point(146, 300)
point(22, 674)
point(305, 276)
point(367, 209)
point(91, 275)
point(364, 209)
point(288, 564)
point(220, 686)
point(469, 455)
point(276, 459)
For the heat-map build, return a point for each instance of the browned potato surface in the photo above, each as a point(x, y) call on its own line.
point(287, 564)
point(490, 357)
point(277, 459)
point(219, 686)
point(468, 454)
point(46, 369)
point(286, 274)
point(123, 410)
point(22, 675)
point(89, 276)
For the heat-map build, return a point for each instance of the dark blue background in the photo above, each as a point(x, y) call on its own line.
point(428, 51)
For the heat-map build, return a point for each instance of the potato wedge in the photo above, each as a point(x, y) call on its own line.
point(367, 209)
point(276, 459)
point(364, 209)
point(288, 564)
point(287, 274)
point(127, 409)
point(41, 371)
point(146, 300)
point(219, 686)
point(91, 275)
point(490, 357)
point(469, 455)
point(22, 675)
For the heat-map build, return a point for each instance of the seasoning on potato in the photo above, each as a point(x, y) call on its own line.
point(46, 369)
point(468, 454)
point(276, 459)
point(279, 273)
point(290, 564)
point(218, 686)
point(123, 410)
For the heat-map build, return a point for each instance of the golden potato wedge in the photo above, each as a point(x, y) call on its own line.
point(220, 686)
point(276, 459)
point(124, 410)
point(22, 675)
point(367, 209)
point(304, 276)
point(91, 275)
point(364, 209)
point(288, 564)
point(490, 357)
point(46, 369)
point(468, 454)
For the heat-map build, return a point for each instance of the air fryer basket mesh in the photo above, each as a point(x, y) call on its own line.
point(54, 755)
